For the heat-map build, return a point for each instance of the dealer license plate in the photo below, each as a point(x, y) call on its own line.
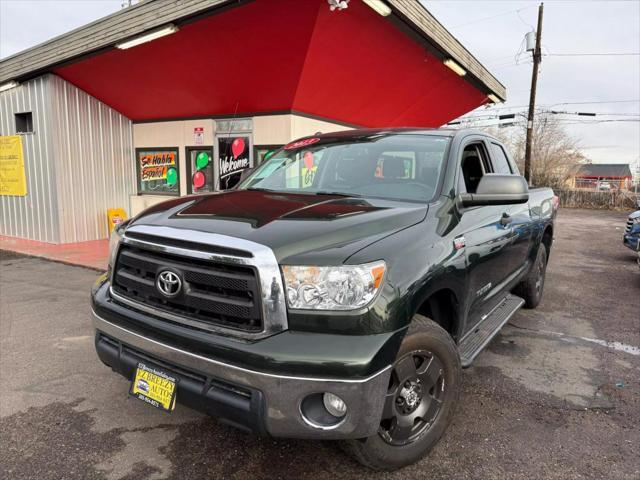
point(154, 387)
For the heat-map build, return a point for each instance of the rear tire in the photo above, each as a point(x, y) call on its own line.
point(531, 288)
point(425, 382)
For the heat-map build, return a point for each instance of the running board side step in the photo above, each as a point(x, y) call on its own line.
point(475, 341)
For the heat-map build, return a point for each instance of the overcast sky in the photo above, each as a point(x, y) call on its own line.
point(493, 31)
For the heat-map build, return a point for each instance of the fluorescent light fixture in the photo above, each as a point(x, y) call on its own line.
point(379, 6)
point(148, 37)
point(455, 66)
point(8, 86)
point(494, 98)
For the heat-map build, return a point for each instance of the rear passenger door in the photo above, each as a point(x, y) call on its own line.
point(518, 215)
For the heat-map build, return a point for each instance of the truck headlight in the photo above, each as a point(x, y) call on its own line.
point(345, 287)
point(114, 240)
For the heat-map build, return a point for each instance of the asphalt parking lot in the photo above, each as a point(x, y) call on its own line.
point(556, 395)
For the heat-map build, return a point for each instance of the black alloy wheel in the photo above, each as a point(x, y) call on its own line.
point(414, 398)
point(419, 402)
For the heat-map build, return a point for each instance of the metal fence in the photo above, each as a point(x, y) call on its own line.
point(606, 200)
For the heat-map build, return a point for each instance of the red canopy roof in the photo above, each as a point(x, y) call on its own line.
point(353, 66)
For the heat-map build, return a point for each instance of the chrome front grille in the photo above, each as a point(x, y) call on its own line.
point(213, 293)
point(228, 285)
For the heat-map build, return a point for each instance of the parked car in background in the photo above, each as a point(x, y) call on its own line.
point(631, 236)
point(604, 186)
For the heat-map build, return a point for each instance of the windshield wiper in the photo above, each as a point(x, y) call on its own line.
point(259, 189)
point(339, 194)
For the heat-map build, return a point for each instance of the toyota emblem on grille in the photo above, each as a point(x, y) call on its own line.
point(168, 283)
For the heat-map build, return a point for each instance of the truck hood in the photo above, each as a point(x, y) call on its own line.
point(299, 228)
point(635, 214)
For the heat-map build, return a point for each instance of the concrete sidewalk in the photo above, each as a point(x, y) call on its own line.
point(93, 254)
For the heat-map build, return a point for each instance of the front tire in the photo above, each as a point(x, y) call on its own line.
point(420, 401)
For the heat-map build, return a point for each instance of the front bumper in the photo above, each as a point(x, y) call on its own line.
point(258, 401)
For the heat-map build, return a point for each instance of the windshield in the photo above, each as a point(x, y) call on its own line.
point(403, 167)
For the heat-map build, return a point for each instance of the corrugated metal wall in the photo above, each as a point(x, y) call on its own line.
point(95, 162)
point(78, 162)
point(34, 216)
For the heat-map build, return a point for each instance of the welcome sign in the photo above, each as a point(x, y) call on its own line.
point(234, 157)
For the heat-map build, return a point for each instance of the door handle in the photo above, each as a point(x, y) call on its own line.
point(505, 220)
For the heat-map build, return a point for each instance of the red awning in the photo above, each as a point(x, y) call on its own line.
point(353, 66)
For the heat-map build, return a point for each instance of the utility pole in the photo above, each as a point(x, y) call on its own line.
point(537, 57)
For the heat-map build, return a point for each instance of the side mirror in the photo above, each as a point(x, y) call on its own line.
point(497, 189)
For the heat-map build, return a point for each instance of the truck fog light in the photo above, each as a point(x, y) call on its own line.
point(334, 405)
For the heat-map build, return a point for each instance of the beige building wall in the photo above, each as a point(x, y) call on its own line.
point(267, 130)
point(303, 126)
point(272, 130)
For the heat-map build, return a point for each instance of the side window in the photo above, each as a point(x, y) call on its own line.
point(474, 165)
point(500, 162)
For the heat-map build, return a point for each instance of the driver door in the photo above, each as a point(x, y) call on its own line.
point(486, 238)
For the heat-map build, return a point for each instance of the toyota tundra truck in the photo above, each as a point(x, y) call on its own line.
point(336, 293)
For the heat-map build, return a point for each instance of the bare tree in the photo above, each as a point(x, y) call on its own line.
point(556, 156)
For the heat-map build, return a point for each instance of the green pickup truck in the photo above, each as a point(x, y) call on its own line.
point(336, 293)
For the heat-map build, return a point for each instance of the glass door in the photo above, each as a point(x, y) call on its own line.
point(200, 169)
point(234, 150)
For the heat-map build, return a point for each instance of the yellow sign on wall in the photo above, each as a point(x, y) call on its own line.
point(12, 177)
point(115, 216)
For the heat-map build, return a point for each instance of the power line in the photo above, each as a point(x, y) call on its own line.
point(493, 112)
point(599, 114)
point(511, 64)
point(492, 108)
point(523, 123)
point(540, 111)
point(491, 17)
point(594, 103)
point(594, 54)
point(495, 60)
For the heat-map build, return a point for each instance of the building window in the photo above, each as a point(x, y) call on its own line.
point(24, 122)
point(158, 171)
point(263, 152)
point(200, 169)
